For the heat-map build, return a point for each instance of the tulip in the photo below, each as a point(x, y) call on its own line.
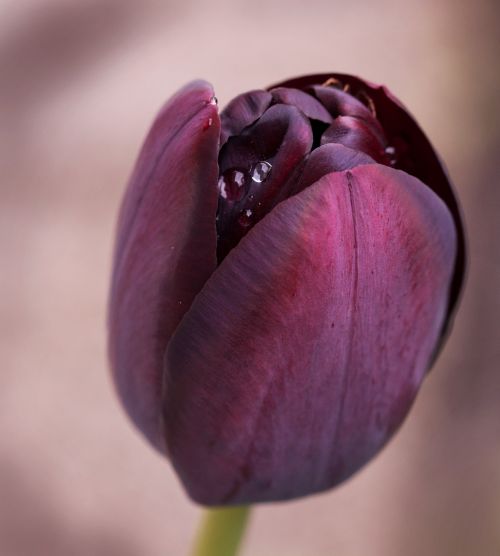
point(285, 273)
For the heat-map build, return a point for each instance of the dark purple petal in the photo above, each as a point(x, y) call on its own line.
point(341, 103)
point(355, 134)
point(329, 158)
point(419, 157)
point(173, 116)
point(303, 352)
point(281, 138)
point(243, 111)
point(166, 247)
point(304, 102)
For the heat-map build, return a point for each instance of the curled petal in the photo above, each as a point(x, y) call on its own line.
point(355, 134)
point(166, 247)
point(304, 350)
point(282, 132)
point(304, 102)
point(242, 111)
point(330, 157)
point(341, 103)
point(282, 137)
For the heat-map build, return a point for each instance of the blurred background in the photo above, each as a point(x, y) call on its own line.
point(80, 82)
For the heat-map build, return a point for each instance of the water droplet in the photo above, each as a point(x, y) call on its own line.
point(232, 184)
point(390, 151)
point(214, 101)
point(245, 218)
point(260, 171)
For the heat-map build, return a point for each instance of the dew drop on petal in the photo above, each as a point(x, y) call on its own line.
point(245, 218)
point(390, 151)
point(231, 184)
point(260, 171)
point(208, 123)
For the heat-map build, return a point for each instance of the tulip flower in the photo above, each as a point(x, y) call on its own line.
point(285, 274)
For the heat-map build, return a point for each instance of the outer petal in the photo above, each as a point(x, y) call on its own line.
point(396, 120)
point(166, 247)
point(304, 350)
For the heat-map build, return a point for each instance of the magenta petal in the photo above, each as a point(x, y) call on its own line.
point(243, 111)
point(166, 247)
point(311, 107)
point(304, 351)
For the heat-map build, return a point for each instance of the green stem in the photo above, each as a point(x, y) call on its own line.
point(221, 531)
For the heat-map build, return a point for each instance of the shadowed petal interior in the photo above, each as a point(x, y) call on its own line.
point(281, 140)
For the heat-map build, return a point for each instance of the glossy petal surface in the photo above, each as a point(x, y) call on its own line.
point(304, 350)
point(166, 247)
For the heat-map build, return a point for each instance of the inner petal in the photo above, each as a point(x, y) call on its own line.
point(355, 134)
point(255, 168)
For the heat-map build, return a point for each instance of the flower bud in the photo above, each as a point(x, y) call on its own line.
point(284, 275)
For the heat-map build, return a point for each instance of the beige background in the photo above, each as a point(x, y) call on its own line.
point(79, 84)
